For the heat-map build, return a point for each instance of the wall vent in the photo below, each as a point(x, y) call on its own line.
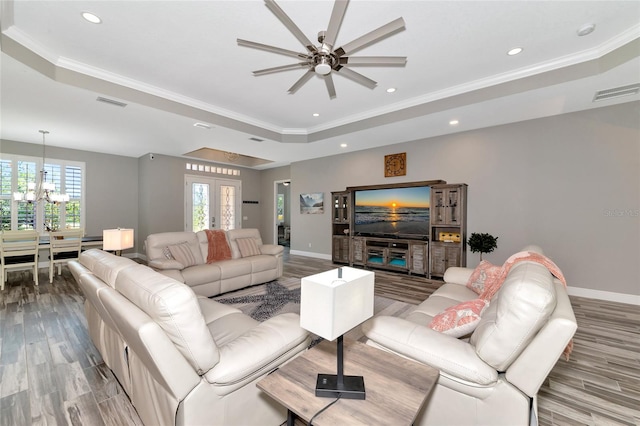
point(256, 139)
point(632, 89)
point(111, 102)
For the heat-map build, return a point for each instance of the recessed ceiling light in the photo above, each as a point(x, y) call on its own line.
point(586, 29)
point(454, 122)
point(315, 114)
point(391, 89)
point(94, 19)
point(202, 126)
point(514, 51)
point(343, 145)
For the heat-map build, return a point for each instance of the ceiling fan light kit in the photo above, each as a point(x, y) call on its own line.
point(324, 60)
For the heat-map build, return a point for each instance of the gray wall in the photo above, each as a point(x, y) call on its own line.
point(570, 183)
point(161, 188)
point(111, 185)
point(267, 200)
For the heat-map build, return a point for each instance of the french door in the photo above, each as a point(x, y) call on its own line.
point(212, 203)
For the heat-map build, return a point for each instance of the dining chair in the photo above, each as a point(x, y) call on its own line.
point(63, 246)
point(18, 250)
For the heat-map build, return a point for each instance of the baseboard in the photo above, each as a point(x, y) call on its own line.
point(632, 299)
point(311, 254)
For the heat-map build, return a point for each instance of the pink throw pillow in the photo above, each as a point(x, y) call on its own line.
point(484, 277)
point(461, 319)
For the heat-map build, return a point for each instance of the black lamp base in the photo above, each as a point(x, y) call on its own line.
point(352, 387)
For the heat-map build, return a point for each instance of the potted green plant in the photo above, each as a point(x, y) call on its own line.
point(482, 243)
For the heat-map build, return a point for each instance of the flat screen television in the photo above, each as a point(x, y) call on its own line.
point(393, 212)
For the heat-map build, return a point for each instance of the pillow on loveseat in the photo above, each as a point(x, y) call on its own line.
point(182, 253)
point(247, 247)
point(461, 319)
point(484, 277)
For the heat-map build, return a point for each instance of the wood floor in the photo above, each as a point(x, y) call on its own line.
point(50, 373)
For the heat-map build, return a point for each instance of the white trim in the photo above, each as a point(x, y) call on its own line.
point(311, 254)
point(631, 299)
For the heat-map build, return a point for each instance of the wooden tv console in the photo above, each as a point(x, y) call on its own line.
point(445, 247)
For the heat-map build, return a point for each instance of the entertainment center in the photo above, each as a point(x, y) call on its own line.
point(415, 227)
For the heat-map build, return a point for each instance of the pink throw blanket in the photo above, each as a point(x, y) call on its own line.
point(218, 246)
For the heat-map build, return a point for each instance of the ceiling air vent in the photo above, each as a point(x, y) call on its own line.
point(256, 139)
point(111, 102)
point(616, 92)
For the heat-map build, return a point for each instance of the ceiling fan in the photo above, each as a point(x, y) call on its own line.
point(324, 60)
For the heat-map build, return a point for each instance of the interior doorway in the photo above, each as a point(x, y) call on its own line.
point(282, 214)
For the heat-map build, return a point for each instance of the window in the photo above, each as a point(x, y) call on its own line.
point(19, 174)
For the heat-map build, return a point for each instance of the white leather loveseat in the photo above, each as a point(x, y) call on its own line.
point(493, 376)
point(211, 279)
point(182, 359)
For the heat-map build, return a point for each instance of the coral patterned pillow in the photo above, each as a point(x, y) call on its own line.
point(461, 319)
point(484, 277)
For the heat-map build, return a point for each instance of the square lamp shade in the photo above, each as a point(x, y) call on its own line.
point(331, 304)
point(117, 239)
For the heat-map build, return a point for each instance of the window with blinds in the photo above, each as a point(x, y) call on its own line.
point(19, 174)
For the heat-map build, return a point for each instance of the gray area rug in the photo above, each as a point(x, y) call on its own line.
point(263, 301)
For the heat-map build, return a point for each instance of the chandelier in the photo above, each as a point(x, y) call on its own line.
point(42, 190)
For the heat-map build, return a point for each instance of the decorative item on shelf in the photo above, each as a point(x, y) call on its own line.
point(332, 303)
point(482, 243)
point(449, 237)
point(41, 190)
point(395, 165)
point(346, 231)
point(117, 240)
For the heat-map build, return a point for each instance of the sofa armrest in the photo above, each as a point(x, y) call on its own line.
point(258, 351)
point(455, 357)
point(457, 275)
point(165, 264)
point(271, 249)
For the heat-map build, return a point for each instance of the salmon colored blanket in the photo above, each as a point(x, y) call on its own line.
point(530, 256)
point(218, 246)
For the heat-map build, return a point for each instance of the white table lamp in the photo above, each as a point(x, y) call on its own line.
point(332, 303)
point(117, 240)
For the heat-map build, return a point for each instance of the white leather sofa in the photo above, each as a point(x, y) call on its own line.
point(493, 376)
point(183, 359)
point(220, 276)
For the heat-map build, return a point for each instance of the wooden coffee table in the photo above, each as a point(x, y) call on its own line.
point(396, 387)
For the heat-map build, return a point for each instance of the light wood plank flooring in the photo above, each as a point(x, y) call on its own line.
point(51, 374)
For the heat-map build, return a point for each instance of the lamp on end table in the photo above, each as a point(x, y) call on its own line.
point(117, 240)
point(332, 303)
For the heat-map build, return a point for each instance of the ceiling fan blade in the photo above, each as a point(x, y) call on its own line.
point(273, 49)
point(328, 81)
point(357, 77)
point(378, 61)
point(371, 37)
point(280, 68)
point(298, 84)
point(291, 26)
point(339, 9)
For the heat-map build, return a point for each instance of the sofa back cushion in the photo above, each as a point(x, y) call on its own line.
point(105, 266)
point(157, 245)
point(174, 307)
point(517, 311)
point(235, 234)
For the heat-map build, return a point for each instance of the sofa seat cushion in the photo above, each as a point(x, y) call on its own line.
point(229, 327)
point(201, 274)
point(457, 292)
point(516, 313)
point(263, 263)
point(234, 268)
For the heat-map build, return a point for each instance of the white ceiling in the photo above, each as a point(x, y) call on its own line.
point(176, 63)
